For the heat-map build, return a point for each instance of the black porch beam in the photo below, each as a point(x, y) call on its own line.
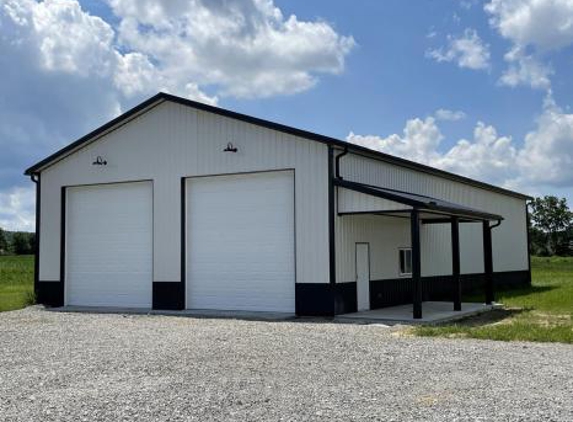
point(445, 220)
point(456, 280)
point(488, 263)
point(416, 263)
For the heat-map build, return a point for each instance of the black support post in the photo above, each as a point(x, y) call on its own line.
point(416, 263)
point(488, 263)
point(456, 280)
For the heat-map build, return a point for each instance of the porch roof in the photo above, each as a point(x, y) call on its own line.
point(430, 208)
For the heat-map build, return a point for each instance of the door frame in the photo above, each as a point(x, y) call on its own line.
point(356, 272)
point(184, 222)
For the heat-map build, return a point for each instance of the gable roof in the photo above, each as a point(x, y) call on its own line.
point(357, 149)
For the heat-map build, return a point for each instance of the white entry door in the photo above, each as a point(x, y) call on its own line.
point(240, 242)
point(109, 245)
point(363, 276)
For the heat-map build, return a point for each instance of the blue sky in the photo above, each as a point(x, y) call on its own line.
point(480, 88)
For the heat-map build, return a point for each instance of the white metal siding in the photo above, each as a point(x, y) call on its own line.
point(509, 239)
point(240, 242)
point(384, 234)
point(173, 141)
point(109, 245)
point(352, 201)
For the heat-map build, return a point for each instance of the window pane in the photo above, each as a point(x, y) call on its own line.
point(402, 263)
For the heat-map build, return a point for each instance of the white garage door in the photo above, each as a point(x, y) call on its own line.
point(109, 245)
point(240, 242)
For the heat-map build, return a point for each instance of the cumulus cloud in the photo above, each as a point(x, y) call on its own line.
point(65, 71)
point(449, 115)
point(547, 156)
point(544, 159)
point(467, 50)
point(545, 24)
point(246, 48)
point(486, 156)
point(418, 142)
point(535, 28)
point(525, 69)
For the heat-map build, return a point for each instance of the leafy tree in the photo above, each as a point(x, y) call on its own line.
point(22, 243)
point(551, 220)
point(3, 242)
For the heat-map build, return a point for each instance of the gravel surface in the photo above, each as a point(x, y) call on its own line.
point(90, 367)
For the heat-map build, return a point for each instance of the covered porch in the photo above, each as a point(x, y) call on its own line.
point(362, 199)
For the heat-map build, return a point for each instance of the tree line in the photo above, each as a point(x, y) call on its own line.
point(18, 243)
point(550, 227)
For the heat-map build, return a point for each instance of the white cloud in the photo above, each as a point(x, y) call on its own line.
point(246, 48)
point(17, 209)
point(545, 24)
point(65, 71)
point(449, 115)
point(525, 70)
point(535, 28)
point(547, 156)
point(486, 156)
point(418, 142)
point(543, 162)
point(467, 50)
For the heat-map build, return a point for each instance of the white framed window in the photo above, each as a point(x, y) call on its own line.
point(405, 259)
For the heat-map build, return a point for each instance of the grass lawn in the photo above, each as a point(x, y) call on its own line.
point(543, 312)
point(16, 282)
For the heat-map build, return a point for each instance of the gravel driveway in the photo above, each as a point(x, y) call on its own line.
point(76, 367)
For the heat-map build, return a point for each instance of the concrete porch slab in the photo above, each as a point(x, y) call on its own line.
point(195, 313)
point(432, 313)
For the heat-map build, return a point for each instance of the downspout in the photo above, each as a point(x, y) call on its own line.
point(333, 173)
point(35, 177)
point(527, 227)
point(338, 157)
point(488, 261)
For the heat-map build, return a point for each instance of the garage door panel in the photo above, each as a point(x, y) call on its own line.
point(240, 242)
point(109, 245)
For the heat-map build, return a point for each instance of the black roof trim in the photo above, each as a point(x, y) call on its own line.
point(275, 126)
point(417, 201)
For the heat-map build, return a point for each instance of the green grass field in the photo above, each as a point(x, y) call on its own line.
point(543, 312)
point(16, 282)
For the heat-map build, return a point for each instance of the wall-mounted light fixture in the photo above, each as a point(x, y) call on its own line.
point(99, 162)
point(230, 148)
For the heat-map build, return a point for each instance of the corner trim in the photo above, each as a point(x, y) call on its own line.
point(331, 222)
point(38, 182)
point(527, 226)
point(183, 224)
point(63, 209)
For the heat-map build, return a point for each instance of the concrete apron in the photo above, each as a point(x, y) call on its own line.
point(194, 313)
point(432, 313)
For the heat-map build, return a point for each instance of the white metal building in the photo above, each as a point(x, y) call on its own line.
point(180, 205)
